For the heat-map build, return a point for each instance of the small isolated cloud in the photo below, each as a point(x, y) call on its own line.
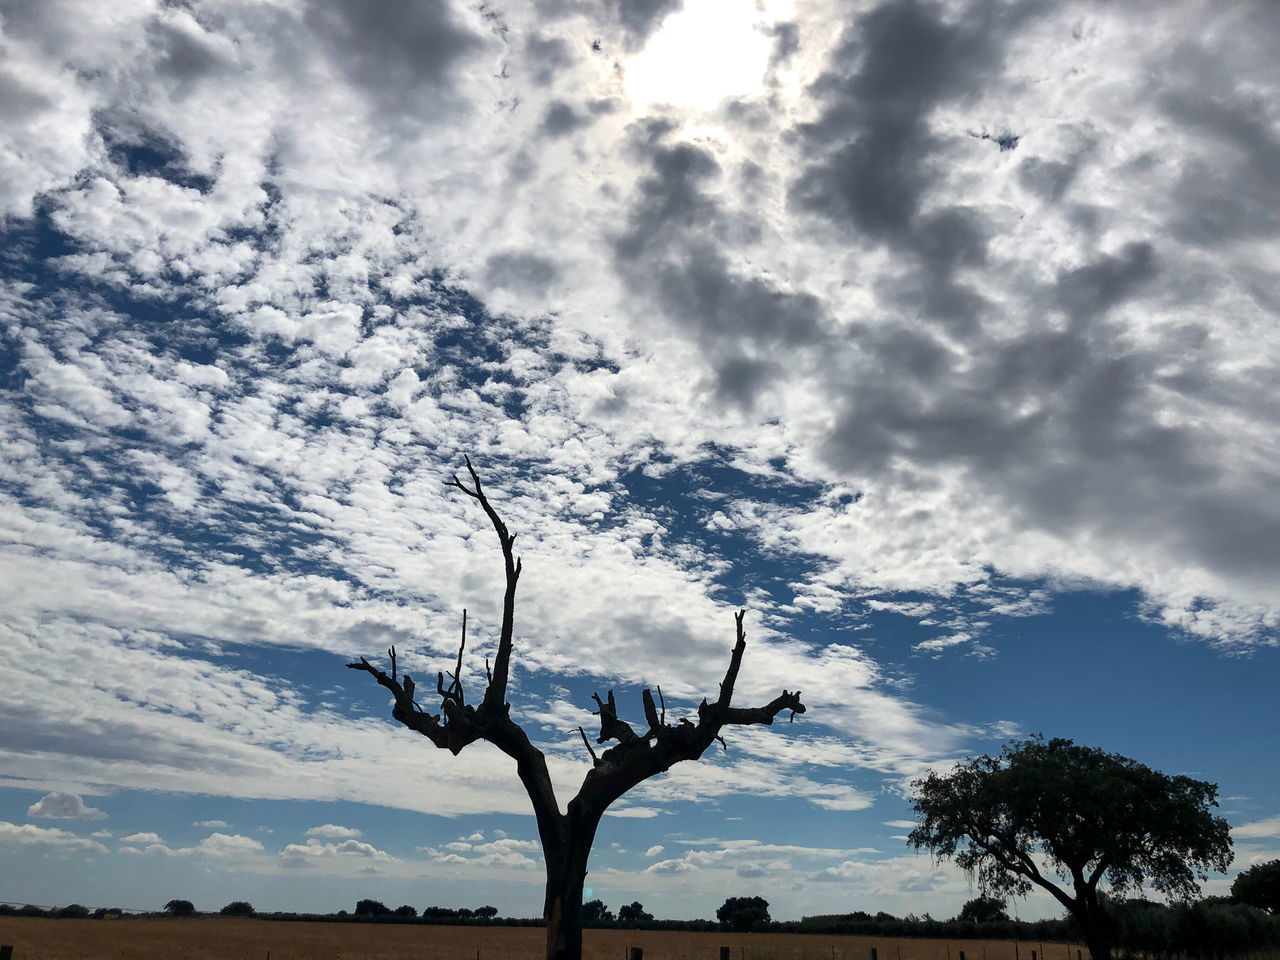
point(29, 835)
point(211, 824)
point(672, 866)
point(476, 837)
point(64, 806)
point(634, 813)
point(141, 839)
point(653, 851)
point(332, 831)
point(317, 853)
point(900, 824)
point(1258, 829)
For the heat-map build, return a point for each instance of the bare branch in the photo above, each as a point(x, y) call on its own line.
point(496, 693)
point(595, 761)
point(611, 728)
point(650, 714)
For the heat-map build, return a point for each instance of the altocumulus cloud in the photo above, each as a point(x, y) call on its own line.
point(828, 349)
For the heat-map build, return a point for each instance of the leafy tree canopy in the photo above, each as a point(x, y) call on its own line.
point(1051, 807)
point(404, 910)
point(983, 910)
point(180, 908)
point(237, 908)
point(1259, 886)
point(371, 908)
point(744, 913)
point(595, 911)
point(633, 912)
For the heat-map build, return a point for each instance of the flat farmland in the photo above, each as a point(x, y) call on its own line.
point(237, 938)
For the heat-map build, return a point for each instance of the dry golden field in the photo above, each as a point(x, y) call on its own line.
point(238, 938)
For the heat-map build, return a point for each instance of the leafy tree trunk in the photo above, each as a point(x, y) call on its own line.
point(566, 876)
point(1098, 944)
point(1093, 924)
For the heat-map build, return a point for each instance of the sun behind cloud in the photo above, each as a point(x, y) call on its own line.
point(701, 55)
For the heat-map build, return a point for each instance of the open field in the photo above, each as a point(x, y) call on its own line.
point(235, 938)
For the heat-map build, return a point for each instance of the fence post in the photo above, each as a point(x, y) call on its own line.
point(637, 953)
point(724, 953)
point(873, 954)
point(6, 951)
point(961, 955)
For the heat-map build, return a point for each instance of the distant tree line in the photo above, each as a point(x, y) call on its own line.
point(1211, 928)
point(1208, 929)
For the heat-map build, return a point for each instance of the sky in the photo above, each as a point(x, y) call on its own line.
point(938, 336)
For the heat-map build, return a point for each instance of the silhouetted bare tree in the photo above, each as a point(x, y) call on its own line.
point(566, 837)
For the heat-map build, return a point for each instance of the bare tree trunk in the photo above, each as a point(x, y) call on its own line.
point(566, 876)
point(566, 838)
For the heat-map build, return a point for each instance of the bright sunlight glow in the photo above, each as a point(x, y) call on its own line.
point(709, 50)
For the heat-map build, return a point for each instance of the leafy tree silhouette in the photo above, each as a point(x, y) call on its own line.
point(1259, 886)
point(180, 908)
point(983, 910)
point(1042, 809)
point(744, 914)
point(633, 913)
point(595, 913)
point(566, 837)
point(372, 908)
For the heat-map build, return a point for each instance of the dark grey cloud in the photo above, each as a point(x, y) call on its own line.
point(640, 18)
point(186, 55)
point(514, 270)
point(545, 57)
point(560, 119)
point(672, 249)
point(401, 55)
point(875, 156)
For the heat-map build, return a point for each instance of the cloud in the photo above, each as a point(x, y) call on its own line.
point(210, 823)
point(334, 832)
point(64, 806)
point(315, 853)
point(633, 813)
point(653, 851)
point(220, 845)
point(1258, 829)
point(29, 835)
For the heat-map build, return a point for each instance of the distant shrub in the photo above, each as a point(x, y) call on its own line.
point(73, 911)
point(237, 908)
point(180, 908)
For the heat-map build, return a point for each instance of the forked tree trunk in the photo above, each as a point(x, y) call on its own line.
point(566, 876)
point(566, 838)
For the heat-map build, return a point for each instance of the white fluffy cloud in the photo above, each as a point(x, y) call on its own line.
point(1258, 829)
point(220, 845)
point(333, 831)
point(317, 853)
point(29, 835)
point(64, 806)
